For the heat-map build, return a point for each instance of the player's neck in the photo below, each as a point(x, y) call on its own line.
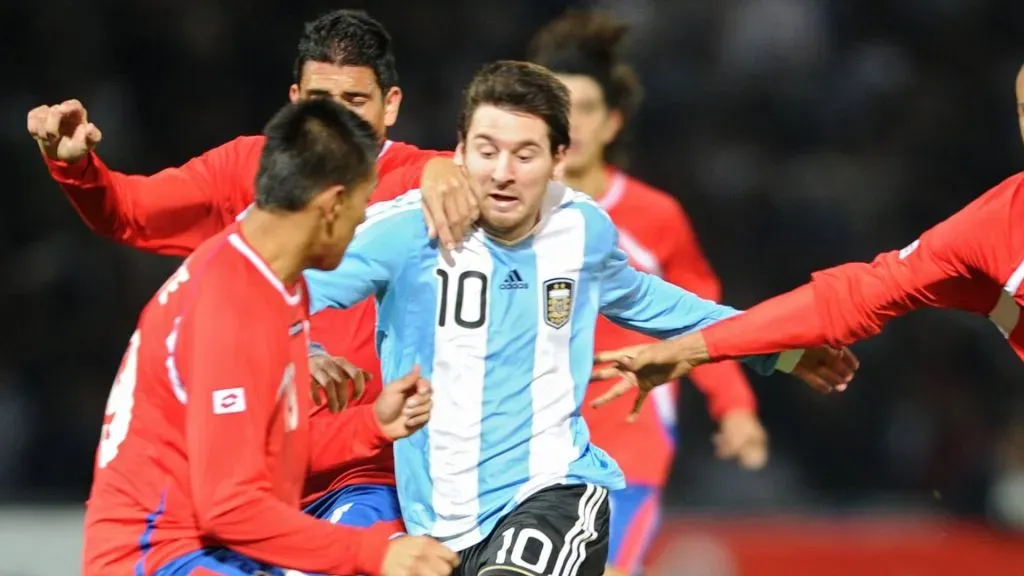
point(592, 181)
point(278, 241)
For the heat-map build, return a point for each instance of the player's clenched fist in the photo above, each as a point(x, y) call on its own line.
point(404, 405)
point(63, 131)
point(418, 556)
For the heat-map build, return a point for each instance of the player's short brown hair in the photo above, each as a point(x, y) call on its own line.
point(520, 87)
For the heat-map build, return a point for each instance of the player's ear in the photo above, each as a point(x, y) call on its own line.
point(330, 202)
point(294, 92)
point(612, 126)
point(392, 102)
point(558, 170)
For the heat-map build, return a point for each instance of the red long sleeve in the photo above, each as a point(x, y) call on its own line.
point(724, 384)
point(354, 435)
point(232, 362)
point(961, 263)
point(170, 212)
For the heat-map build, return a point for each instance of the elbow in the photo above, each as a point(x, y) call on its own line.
point(217, 517)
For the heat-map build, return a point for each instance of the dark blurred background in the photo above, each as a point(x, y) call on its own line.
point(798, 134)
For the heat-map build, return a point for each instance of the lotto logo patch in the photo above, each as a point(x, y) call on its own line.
point(229, 401)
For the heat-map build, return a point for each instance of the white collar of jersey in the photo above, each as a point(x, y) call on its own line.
point(556, 195)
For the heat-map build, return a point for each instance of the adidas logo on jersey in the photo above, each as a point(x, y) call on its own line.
point(514, 282)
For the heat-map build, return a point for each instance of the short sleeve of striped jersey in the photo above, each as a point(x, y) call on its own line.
point(373, 260)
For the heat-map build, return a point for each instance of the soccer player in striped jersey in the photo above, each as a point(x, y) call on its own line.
point(582, 48)
point(505, 472)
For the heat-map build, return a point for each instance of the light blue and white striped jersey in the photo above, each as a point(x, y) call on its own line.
point(505, 334)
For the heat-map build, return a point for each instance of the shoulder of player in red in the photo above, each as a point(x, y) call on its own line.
point(406, 158)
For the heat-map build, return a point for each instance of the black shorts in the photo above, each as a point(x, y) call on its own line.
point(559, 531)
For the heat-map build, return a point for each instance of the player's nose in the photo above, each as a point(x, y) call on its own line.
point(504, 169)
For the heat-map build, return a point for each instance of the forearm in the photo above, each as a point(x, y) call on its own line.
point(352, 435)
point(156, 214)
point(267, 530)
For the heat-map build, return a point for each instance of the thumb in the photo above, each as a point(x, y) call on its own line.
point(407, 384)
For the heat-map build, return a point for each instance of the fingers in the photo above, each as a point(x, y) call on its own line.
point(617, 356)
point(37, 121)
point(812, 379)
point(604, 373)
point(617, 390)
point(406, 384)
point(441, 226)
point(753, 456)
point(638, 404)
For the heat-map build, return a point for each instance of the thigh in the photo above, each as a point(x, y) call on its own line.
point(635, 514)
point(218, 562)
point(360, 507)
point(560, 531)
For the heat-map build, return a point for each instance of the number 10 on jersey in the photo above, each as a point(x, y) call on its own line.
point(470, 299)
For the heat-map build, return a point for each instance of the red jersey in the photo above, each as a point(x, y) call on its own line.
point(658, 238)
point(173, 211)
point(973, 261)
point(205, 440)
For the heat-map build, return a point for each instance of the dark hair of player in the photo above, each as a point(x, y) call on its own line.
point(520, 87)
point(348, 38)
point(589, 43)
point(312, 145)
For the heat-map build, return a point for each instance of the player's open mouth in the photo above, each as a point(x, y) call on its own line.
point(504, 200)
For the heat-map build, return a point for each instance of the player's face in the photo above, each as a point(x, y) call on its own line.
point(341, 212)
point(592, 124)
point(355, 87)
point(507, 156)
point(1020, 101)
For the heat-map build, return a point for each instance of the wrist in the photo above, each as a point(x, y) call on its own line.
point(788, 360)
point(693, 348)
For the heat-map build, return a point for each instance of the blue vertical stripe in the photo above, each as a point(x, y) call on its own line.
point(508, 374)
point(410, 308)
point(145, 541)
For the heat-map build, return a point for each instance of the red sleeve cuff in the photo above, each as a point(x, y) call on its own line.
point(373, 549)
point(72, 173)
point(369, 428)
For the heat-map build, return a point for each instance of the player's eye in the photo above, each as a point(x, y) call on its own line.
point(524, 158)
point(487, 152)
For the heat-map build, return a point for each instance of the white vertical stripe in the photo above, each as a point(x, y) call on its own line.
point(588, 535)
point(574, 533)
point(558, 247)
point(458, 380)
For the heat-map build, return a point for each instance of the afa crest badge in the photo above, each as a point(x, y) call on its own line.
point(558, 299)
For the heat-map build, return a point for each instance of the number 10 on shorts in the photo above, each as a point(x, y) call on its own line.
point(513, 548)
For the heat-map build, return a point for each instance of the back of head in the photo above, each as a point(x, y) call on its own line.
point(519, 87)
point(312, 145)
point(348, 38)
point(589, 43)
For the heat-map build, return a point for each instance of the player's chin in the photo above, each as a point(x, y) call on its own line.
point(328, 261)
